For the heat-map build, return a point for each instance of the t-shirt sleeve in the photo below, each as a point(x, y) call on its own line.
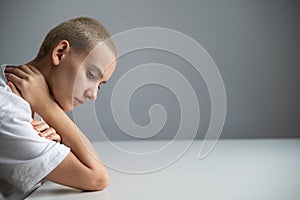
point(25, 157)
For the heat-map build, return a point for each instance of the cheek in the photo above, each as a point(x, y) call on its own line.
point(80, 83)
point(66, 81)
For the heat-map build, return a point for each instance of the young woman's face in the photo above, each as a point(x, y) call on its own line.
point(94, 71)
point(81, 76)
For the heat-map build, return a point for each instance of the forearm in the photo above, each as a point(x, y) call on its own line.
point(81, 168)
point(71, 136)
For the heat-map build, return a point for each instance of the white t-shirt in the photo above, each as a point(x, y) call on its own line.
point(25, 157)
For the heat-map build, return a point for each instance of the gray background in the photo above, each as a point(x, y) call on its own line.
point(255, 45)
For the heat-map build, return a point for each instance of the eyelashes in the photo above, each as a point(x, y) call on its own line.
point(90, 75)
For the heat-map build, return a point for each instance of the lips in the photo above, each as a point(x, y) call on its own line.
point(77, 102)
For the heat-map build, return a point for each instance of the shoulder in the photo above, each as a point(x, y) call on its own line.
point(10, 104)
point(3, 79)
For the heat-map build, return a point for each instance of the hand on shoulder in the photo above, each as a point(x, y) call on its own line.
point(29, 83)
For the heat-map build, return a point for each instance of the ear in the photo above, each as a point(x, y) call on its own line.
point(59, 52)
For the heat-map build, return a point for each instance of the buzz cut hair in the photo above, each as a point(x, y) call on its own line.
point(82, 33)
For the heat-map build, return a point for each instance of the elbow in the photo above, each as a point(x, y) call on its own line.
point(99, 182)
point(102, 183)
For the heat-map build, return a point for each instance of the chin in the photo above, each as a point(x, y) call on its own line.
point(68, 108)
point(65, 107)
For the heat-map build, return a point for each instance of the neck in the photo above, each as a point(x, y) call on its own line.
point(45, 67)
point(42, 66)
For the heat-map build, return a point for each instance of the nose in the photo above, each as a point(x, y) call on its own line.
point(91, 94)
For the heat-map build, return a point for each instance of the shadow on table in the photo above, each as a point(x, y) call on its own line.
point(50, 190)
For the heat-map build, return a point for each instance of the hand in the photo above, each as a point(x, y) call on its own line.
point(28, 82)
point(45, 131)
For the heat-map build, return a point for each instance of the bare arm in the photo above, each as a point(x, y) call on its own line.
point(82, 168)
point(88, 165)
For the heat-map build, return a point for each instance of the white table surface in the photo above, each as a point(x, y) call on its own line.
point(235, 169)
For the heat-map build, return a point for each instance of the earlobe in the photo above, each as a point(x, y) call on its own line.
point(59, 52)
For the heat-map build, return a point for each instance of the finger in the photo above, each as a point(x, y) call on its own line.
point(47, 132)
point(13, 78)
point(34, 69)
point(9, 69)
point(17, 71)
point(36, 122)
point(27, 69)
point(54, 137)
point(14, 89)
point(41, 127)
point(23, 68)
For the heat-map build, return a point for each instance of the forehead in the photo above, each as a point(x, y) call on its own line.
point(101, 56)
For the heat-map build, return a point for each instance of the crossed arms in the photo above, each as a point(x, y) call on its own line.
point(82, 168)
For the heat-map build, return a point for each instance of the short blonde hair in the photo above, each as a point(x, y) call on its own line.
point(82, 33)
